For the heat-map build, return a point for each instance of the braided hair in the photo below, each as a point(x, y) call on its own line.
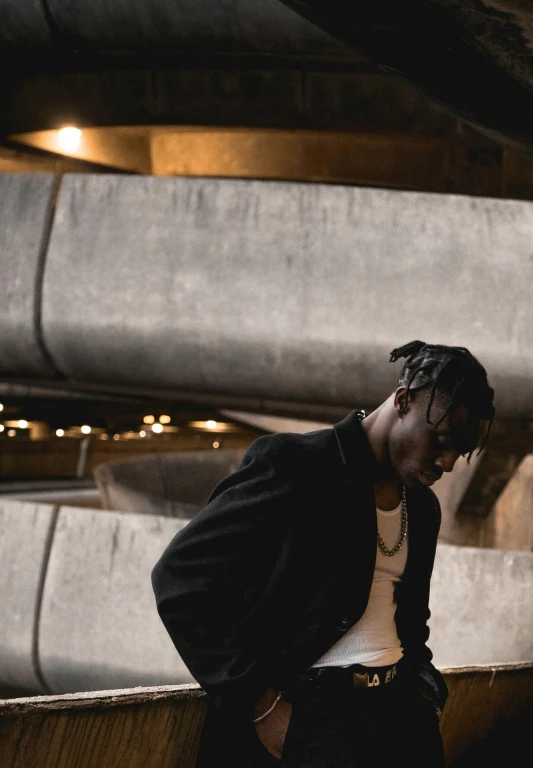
point(452, 372)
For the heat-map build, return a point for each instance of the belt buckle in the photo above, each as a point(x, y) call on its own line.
point(360, 679)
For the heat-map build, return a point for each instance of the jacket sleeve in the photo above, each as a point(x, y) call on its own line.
point(413, 610)
point(210, 568)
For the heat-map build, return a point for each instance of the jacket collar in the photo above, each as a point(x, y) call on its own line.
point(354, 447)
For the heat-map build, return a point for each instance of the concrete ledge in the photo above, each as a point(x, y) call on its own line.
point(169, 484)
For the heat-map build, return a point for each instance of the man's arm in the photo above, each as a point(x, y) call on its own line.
point(210, 568)
point(413, 610)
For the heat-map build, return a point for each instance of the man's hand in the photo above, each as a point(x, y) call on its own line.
point(273, 729)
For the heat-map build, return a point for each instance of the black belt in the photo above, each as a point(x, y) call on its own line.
point(354, 676)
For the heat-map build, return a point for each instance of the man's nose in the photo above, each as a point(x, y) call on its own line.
point(446, 460)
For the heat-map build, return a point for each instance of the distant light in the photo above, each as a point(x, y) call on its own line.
point(149, 419)
point(210, 424)
point(86, 429)
point(1, 406)
point(157, 428)
point(69, 138)
point(142, 433)
point(23, 424)
point(2, 427)
point(164, 419)
point(60, 432)
point(116, 437)
point(216, 444)
point(11, 432)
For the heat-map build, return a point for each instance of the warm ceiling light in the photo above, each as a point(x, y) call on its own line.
point(211, 424)
point(142, 433)
point(2, 427)
point(116, 437)
point(158, 428)
point(1, 406)
point(69, 138)
point(149, 419)
point(11, 433)
point(86, 430)
point(164, 419)
point(23, 424)
point(216, 444)
point(60, 432)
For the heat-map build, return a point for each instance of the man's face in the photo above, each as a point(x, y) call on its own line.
point(421, 452)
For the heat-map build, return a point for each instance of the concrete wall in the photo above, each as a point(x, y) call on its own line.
point(481, 606)
point(99, 627)
point(25, 537)
point(78, 612)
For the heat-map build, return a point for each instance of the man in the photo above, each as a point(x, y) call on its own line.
point(298, 598)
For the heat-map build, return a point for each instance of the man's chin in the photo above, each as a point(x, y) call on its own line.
point(417, 481)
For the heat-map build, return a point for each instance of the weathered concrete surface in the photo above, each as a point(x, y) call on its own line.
point(25, 531)
point(161, 727)
point(24, 224)
point(290, 290)
point(481, 606)
point(513, 512)
point(169, 484)
point(99, 625)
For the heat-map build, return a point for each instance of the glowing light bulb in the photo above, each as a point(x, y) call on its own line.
point(60, 432)
point(11, 433)
point(86, 430)
point(23, 424)
point(69, 138)
point(211, 424)
point(2, 427)
point(216, 444)
point(142, 433)
point(1, 406)
point(157, 428)
point(164, 419)
point(149, 419)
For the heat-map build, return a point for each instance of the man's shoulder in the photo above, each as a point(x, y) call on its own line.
point(297, 442)
point(292, 449)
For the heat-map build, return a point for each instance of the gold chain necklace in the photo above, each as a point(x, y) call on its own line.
point(403, 531)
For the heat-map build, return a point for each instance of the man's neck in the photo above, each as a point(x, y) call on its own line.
point(376, 426)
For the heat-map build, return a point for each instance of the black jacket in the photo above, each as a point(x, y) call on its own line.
point(279, 564)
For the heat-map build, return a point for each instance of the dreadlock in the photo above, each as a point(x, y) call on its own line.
point(450, 371)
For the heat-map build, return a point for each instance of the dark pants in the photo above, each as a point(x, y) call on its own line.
point(333, 726)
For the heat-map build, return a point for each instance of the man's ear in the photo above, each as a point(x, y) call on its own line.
point(401, 401)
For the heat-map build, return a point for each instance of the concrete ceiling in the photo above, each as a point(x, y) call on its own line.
point(297, 64)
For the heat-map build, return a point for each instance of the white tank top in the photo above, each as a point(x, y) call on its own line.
point(374, 640)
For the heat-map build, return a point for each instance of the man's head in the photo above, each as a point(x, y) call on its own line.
point(443, 409)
